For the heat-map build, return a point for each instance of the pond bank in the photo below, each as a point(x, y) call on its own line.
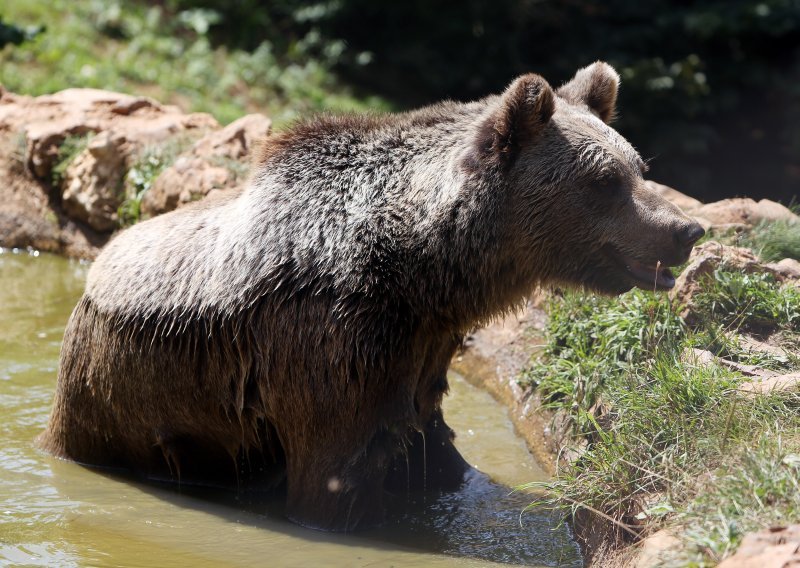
point(683, 413)
point(493, 359)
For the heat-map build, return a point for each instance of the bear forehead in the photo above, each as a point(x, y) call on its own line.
point(596, 145)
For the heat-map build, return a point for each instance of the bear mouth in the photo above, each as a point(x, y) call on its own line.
point(653, 276)
point(646, 275)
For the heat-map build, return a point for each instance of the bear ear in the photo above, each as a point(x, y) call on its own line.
point(596, 87)
point(524, 109)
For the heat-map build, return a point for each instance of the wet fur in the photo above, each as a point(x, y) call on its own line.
point(299, 332)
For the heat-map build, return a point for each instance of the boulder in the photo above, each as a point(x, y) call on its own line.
point(118, 126)
point(709, 255)
point(656, 548)
point(75, 211)
point(702, 263)
point(93, 182)
point(218, 161)
point(788, 268)
point(743, 212)
point(776, 547)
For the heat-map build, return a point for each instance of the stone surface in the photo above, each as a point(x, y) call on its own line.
point(777, 547)
point(788, 268)
point(743, 212)
point(49, 119)
point(217, 161)
point(77, 216)
point(703, 358)
point(702, 263)
point(656, 548)
point(763, 385)
point(93, 182)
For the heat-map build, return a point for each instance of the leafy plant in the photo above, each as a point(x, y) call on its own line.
point(140, 178)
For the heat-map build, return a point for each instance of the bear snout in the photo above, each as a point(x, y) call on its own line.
point(689, 234)
point(684, 238)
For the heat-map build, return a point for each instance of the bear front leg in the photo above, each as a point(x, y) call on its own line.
point(337, 486)
point(431, 461)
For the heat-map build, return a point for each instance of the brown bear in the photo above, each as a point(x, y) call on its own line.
point(298, 333)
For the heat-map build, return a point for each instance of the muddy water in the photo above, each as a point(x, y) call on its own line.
point(55, 513)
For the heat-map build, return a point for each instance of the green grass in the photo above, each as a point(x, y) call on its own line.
point(774, 240)
point(770, 240)
point(143, 49)
point(151, 162)
point(667, 442)
point(592, 340)
point(755, 302)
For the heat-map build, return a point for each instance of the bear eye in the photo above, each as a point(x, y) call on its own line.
point(609, 183)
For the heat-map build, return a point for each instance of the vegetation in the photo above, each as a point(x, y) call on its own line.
point(167, 53)
point(667, 441)
point(140, 177)
point(754, 302)
point(774, 240)
point(709, 86)
point(706, 83)
point(770, 240)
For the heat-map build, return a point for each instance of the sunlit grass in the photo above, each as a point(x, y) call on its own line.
point(142, 49)
point(666, 441)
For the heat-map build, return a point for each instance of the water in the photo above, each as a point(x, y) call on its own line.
point(55, 513)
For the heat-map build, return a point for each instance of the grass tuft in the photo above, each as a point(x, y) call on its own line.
point(151, 162)
point(668, 442)
point(774, 240)
point(755, 302)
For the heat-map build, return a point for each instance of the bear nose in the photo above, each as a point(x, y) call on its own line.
point(690, 234)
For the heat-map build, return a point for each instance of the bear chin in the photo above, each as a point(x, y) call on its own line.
point(618, 280)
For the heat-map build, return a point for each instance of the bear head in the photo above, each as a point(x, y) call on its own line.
point(580, 207)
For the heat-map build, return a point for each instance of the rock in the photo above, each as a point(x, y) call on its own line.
point(743, 212)
point(237, 140)
point(768, 210)
point(788, 268)
point(93, 181)
point(215, 162)
point(777, 547)
point(702, 263)
point(656, 548)
point(697, 357)
point(81, 212)
point(753, 345)
point(20, 229)
point(687, 204)
point(764, 385)
point(703, 358)
point(78, 112)
point(121, 125)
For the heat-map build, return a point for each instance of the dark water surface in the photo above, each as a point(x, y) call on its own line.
point(55, 513)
